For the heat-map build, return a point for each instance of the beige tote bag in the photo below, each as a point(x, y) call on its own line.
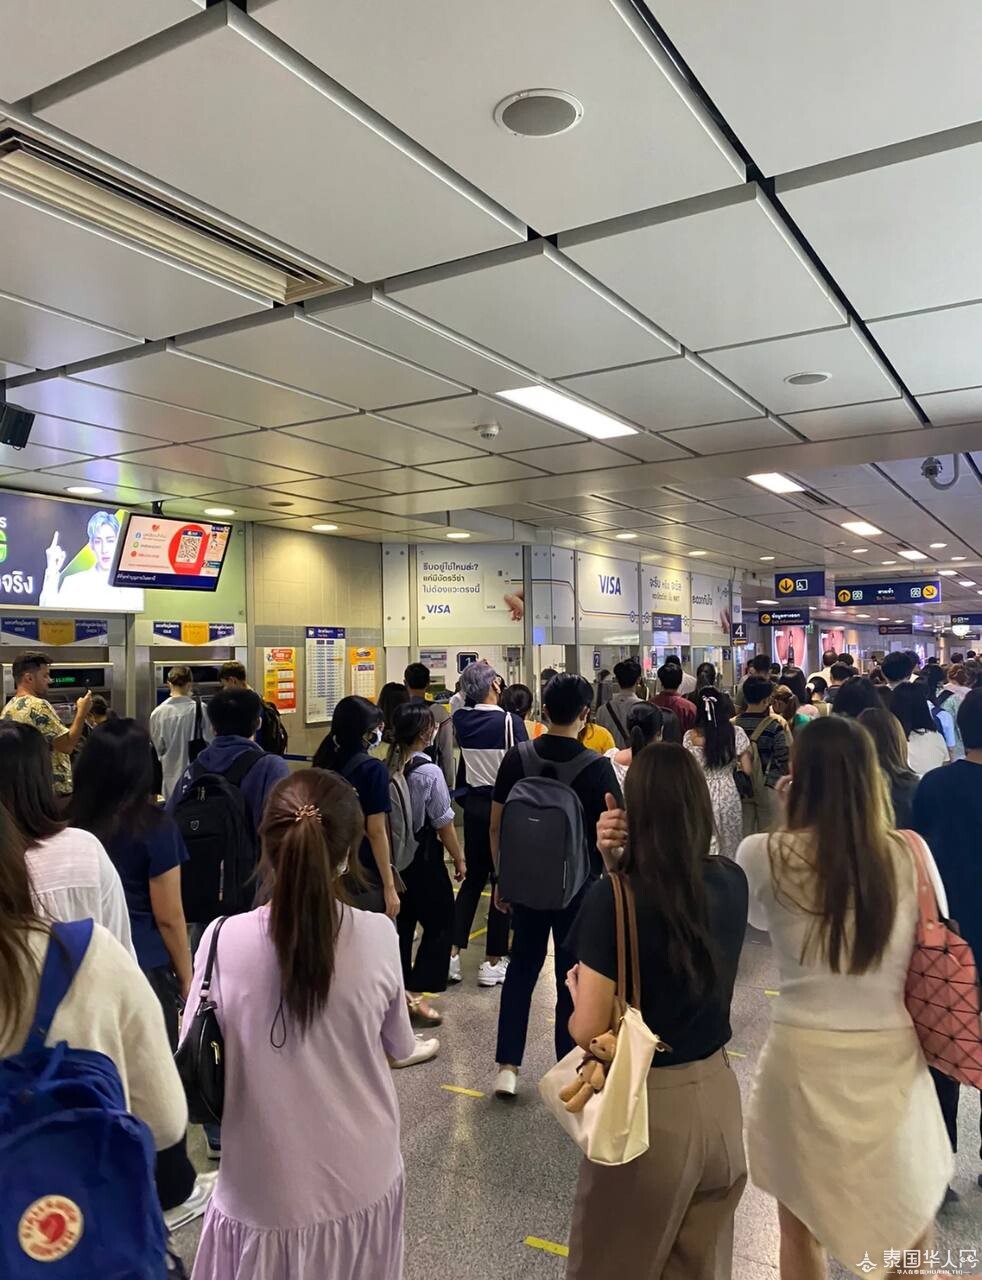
point(613, 1126)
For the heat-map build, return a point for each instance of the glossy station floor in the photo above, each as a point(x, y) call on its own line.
point(490, 1183)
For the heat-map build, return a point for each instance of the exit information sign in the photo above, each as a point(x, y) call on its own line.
point(787, 586)
point(925, 592)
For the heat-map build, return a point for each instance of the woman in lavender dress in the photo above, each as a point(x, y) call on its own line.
point(310, 998)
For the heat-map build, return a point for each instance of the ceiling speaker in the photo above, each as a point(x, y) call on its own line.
point(15, 425)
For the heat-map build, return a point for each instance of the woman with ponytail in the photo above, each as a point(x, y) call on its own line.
point(644, 725)
point(721, 749)
point(310, 999)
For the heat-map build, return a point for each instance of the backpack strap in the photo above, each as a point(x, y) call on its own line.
point(67, 946)
point(196, 733)
point(241, 765)
point(567, 772)
point(617, 721)
point(352, 763)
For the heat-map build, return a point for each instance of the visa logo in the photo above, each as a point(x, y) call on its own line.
point(437, 608)
point(609, 585)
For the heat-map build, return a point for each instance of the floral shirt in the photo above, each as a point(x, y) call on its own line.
point(27, 709)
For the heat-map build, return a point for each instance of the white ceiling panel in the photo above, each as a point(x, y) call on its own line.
point(582, 504)
point(317, 491)
point(42, 339)
point(64, 265)
point(755, 503)
point(34, 456)
point(96, 442)
point(302, 524)
point(9, 370)
point(459, 419)
point(388, 324)
point(475, 56)
point(949, 407)
point(377, 520)
point(74, 36)
point(490, 470)
point(277, 449)
point(44, 482)
point(121, 411)
point(714, 271)
point(231, 89)
point(274, 503)
point(567, 458)
point(182, 379)
point(304, 354)
point(156, 479)
point(532, 304)
point(665, 395)
point(935, 350)
point(899, 233)
point(405, 480)
point(649, 448)
point(732, 437)
point(390, 441)
point(225, 470)
point(847, 420)
point(762, 367)
point(820, 81)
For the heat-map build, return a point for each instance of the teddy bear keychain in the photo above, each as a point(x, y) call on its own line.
point(591, 1074)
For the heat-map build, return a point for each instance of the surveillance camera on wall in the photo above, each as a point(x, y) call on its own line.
point(931, 468)
point(489, 431)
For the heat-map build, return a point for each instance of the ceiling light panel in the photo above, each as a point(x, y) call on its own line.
point(224, 80)
point(774, 482)
point(862, 529)
point(594, 55)
point(912, 555)
point(531, 303)
point(568, 411)
point(665, 395)
point(716, 270)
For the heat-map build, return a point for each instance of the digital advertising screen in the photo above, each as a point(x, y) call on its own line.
point(157, 552)
point(59, 555)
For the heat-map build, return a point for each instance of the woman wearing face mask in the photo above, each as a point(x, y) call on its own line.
point(428, 898)
point(355, 729)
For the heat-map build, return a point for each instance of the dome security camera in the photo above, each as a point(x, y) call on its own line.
point(489, 430)
point(931, 468)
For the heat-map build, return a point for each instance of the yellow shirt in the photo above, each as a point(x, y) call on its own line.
point(596, 738)
point(42, 716)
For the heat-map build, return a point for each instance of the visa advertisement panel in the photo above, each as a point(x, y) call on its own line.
point(470, 593)
point(607, 599)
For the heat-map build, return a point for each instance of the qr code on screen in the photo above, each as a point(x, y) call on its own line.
point(188, 549)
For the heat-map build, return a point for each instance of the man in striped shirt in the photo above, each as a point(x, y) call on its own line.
point(484, 731)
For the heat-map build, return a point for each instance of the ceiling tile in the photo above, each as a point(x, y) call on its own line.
point(567, 458)
point(382, 438)
point(44, 482)
point(301, 524)
point(97, 442)
point(105, 407)
point(10, 370)
point(238, 467)
point(226, 81)
point(762, 367)
point(42, 339)
point(490, 470)
point(935, 350)
point(646, 447)
point(839, 423)
point(532, 304)
point(112, 471)
point(471, 64)
point(179, 378)
point(583, 504)
point(34, 456)
point(897, 234)
point(953, 406)
point(459, 419)
point(322, 490)
point(732, 437)
point(528, 512)
point(666, 395)
point(758, 503)
point(304, 354)
point(301, 498)
point(316, 459)
point(405, 480)
point(714, 271)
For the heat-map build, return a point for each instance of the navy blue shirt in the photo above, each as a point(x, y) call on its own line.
point(948, 814)
point(140, 859)
point(370, 778)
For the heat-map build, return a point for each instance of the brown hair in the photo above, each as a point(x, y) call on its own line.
point(957, 674)
point(848, 883)
point(180, 677)
point(670, 826)
point(888, 738)
point(18, 916)
point(785, 704)
point(311, 825)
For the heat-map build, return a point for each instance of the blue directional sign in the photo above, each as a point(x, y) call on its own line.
point(795, 583)
point(738, 632)
point(784, 617)
point(923, 592)
point(666, 622)
point(966, 619)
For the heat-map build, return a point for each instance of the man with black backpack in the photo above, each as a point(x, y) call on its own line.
point(548, 797)
point(272, 735)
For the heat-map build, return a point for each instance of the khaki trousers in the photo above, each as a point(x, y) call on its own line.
point(669, 1214)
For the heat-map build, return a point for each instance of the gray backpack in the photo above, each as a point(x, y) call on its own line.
point(402, 839)
point(544, 857)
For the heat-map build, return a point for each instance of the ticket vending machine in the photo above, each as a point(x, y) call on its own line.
point(204, 674)
point(69, 682)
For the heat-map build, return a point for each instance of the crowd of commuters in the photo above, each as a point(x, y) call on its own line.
point(781, 808)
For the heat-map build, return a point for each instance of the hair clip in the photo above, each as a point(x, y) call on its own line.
point(306, 811)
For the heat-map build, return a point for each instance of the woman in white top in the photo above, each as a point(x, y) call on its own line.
point(644, 725)
point(844, 1127)
point(927, 747)
point(71, 874)
point(721, 748)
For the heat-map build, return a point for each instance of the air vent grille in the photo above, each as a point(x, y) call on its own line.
point(67, 184)
point(816, 499)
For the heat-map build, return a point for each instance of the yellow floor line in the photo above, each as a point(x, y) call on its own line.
point(735, 1053)
point(547, 1246)
point(771, 993)
point(478, 933)
point(486, 893)
point(467, 1093)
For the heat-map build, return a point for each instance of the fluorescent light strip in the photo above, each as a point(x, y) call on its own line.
point(862, 529)
point(912, 555)
point(569, 412)
point(774, 482)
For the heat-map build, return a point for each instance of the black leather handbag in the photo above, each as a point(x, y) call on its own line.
point(200, 1056)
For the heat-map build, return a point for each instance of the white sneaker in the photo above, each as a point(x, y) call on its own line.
point(492, 975)
point(506, 1083)
point(455, 975)
point(424, 1051)
point(195, 1205)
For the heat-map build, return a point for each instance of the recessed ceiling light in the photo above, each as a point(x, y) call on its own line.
point(859, 551)
point(571, 413)
point(956, 558)
point(324, 528)
point(698, 553)
point(219, 511)
point(863, 615)
point(911, 554)
point(538, 113)
point(948, 573)
point(966, 582)
point(83, 491)
point(807, 379)
point(767, 602)
point(625, 537)
point(768, 557)
point(774, 482)
point(938, 546)
point(458, 537)
point(883, 619)
point(862, 529)
point(283, 503)
point(886, 562)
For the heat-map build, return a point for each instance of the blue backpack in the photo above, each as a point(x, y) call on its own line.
point(77, 1193)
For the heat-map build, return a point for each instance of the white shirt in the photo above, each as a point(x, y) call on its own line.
point(926, 750)
point(688, 684)
point(73, 879)
point(811, 994)
point(91, 589)
point(171, 729)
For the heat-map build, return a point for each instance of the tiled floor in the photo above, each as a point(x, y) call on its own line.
point(485, 1177)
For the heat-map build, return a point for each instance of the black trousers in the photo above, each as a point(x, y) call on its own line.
point(164, 985)
point(477, 850)
point(948, 1091)
point(528, 955)
point(428, 901)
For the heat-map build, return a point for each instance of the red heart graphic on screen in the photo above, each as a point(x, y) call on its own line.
point(155, 527)
point(52, 1227)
